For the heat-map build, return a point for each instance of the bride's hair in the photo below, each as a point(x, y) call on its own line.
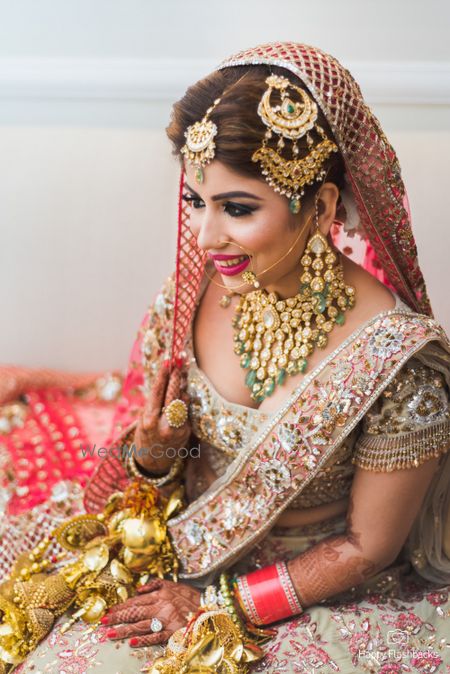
point(240, 129)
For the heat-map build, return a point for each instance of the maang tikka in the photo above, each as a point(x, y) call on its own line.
point(199, 148)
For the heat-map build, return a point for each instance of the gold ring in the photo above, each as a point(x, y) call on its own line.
point(176, 413)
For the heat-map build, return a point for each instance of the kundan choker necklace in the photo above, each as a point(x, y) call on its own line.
point(274, 337)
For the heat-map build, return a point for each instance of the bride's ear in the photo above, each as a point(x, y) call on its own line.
point(328, 197)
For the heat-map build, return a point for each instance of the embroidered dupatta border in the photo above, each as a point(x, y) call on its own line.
point(216, 527)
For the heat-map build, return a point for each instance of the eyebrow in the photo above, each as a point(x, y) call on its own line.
point(227, 195)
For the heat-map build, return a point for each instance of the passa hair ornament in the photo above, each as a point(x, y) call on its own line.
point(291, 119)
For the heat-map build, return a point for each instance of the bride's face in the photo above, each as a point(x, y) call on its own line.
point(234, 215)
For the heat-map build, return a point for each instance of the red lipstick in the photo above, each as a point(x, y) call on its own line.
point(228, 270)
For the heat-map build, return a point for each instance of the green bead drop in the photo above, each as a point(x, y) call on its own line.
point(321, 305)
point(294, 206)
point(269, 387)
point(301, 364)
point(250, 378)
point(340, 318)
point(245, 360)
point(281, 377)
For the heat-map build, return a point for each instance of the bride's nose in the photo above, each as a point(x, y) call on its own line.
point(209, 230)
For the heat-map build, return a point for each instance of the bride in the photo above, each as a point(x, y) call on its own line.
point(313, 384)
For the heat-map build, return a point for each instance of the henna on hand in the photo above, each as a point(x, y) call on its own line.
point(333, 565)
point(328, 568)
point(153, 429)
point(170, 602)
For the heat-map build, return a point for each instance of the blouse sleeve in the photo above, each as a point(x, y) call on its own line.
point(409, 422)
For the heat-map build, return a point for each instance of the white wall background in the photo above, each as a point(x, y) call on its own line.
point(87, 183)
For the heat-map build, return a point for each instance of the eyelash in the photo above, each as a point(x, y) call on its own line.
point(241, 210)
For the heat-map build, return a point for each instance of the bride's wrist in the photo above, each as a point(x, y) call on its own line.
point(158, 472)
point(157, 479)
point(157, 466)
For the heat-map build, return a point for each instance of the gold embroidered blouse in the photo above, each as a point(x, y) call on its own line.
point(408, 423)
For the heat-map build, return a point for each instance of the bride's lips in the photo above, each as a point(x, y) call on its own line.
point(231, 271)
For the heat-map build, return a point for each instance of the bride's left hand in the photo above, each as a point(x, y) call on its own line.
point(163, 599)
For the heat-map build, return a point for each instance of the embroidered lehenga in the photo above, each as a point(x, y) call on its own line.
point(380, 401)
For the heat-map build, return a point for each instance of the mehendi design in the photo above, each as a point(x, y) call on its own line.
point(329, 568)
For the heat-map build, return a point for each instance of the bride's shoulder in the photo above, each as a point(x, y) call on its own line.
point(371, 296)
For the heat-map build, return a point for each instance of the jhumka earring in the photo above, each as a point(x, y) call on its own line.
point(291, 120)
point(199, 148)
point(274, 336)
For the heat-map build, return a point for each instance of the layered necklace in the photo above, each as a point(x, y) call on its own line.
point(274, 337)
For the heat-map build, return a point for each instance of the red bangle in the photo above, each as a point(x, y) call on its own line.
point(268, 595)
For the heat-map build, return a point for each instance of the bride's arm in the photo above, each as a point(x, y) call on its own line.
point(381, 512)
point(382, 509)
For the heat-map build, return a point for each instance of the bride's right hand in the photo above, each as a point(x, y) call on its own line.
point(153, 432)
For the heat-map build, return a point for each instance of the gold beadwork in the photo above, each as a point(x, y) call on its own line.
point(291, 120)
point(274, 337)
point(404, 450)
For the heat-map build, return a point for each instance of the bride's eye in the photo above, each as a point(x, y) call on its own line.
point(195, 202)
point(237, 210)
point(231, 208)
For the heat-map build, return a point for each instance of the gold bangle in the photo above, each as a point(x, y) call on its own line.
point(133, 471)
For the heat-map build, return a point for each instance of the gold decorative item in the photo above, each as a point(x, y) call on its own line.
point(291, 119)
point(176, 413)
point(215, 641)
point(250, 278)
point(274, 337)
point(199, 147)
point(225, 301)
point(115, 551)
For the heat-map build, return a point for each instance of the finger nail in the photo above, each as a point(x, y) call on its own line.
point(104, 620)
point(166, 364)
point(133, 641)
point(179, 362)
point(111, 634)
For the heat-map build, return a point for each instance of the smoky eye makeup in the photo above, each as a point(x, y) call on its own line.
point(231, 207)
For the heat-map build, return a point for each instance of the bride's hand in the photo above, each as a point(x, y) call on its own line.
point(153, 430)
point(169, 602)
